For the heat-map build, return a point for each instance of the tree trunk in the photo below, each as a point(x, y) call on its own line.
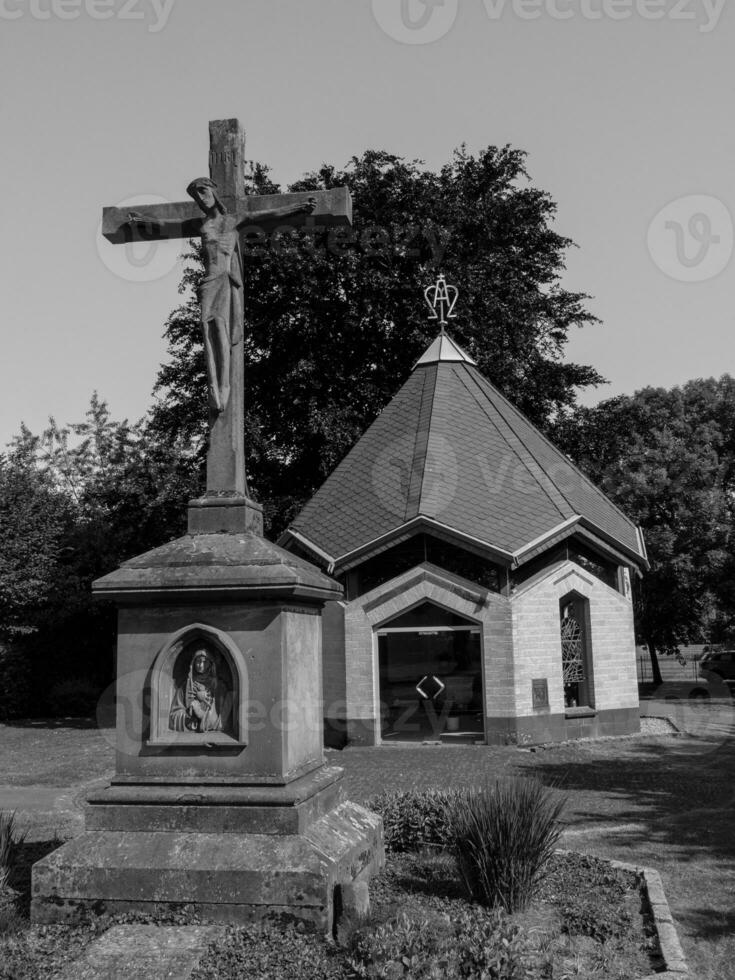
point(655, 669)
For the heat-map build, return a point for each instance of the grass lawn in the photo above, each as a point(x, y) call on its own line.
point(668, 804)
point(664, 802)
point(58, 752)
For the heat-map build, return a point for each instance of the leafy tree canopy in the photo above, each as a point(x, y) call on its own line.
point(667, 458)
point(336, 320)
point(75, 502)
point(34, 518)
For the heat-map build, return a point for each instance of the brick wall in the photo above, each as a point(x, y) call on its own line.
point(520, 642)
point(333, 659)
point(537, 642)
point(427, 583)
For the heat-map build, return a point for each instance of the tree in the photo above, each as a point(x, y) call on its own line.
point(667, 458)
point(334, 322)
point(88, 496)
point(34, 518)
point(128, 488)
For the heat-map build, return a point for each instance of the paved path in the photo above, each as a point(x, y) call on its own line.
point(45, 811)
point(369, 771)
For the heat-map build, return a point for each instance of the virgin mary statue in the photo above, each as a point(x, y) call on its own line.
point(202, 703)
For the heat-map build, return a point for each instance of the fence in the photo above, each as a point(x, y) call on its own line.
point(671, 668)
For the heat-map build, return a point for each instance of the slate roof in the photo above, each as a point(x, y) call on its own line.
point(450, 453)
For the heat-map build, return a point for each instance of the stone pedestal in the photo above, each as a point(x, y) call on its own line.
point(242, 820)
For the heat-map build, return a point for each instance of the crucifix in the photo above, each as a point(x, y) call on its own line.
point(221, 215)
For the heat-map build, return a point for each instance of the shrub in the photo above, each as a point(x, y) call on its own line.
point(472, 947)
point(74, 697)
point(503, 835)
point(10, 843)
point(15, 693)
point(414, 819)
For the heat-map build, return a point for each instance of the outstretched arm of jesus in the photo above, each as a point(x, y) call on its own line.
point(275, 214)
point(166, 227)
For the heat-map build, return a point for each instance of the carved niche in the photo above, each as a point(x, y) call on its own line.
point(199, 690)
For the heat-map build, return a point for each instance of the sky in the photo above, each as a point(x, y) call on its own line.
point(623, 106)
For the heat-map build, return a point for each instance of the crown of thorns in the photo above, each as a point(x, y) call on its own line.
point(199, 182)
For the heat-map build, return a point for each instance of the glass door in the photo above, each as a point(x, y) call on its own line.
point(431, 684)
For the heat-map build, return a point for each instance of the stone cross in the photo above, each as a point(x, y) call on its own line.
point(221, 213)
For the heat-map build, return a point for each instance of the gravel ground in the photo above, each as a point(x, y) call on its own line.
point(657, 726)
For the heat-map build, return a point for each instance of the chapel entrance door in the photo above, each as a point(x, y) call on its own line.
point(430, 666)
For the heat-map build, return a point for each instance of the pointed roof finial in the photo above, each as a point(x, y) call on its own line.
point(441, 300)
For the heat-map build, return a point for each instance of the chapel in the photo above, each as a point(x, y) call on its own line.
point(487, 581)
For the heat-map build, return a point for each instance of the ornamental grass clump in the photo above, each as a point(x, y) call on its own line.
point(10, 842)
point(503, 835)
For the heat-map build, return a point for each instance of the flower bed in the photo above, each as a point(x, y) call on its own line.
point(587, 920)
point(473, 889)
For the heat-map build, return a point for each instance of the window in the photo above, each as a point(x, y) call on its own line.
point(595, 564)
point(573, 549)
point(420, 548)
point(576, 657)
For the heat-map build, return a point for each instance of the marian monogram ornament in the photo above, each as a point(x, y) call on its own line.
point(441, 300)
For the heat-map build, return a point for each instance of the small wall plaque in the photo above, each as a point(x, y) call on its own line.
point(540, 693)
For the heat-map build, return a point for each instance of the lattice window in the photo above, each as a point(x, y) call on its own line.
point(572, 651)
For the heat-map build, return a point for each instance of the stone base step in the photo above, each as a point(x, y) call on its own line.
point(223, 877)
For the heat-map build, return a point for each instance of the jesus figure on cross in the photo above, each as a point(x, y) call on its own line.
point(220, 212)
point(220, 294)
